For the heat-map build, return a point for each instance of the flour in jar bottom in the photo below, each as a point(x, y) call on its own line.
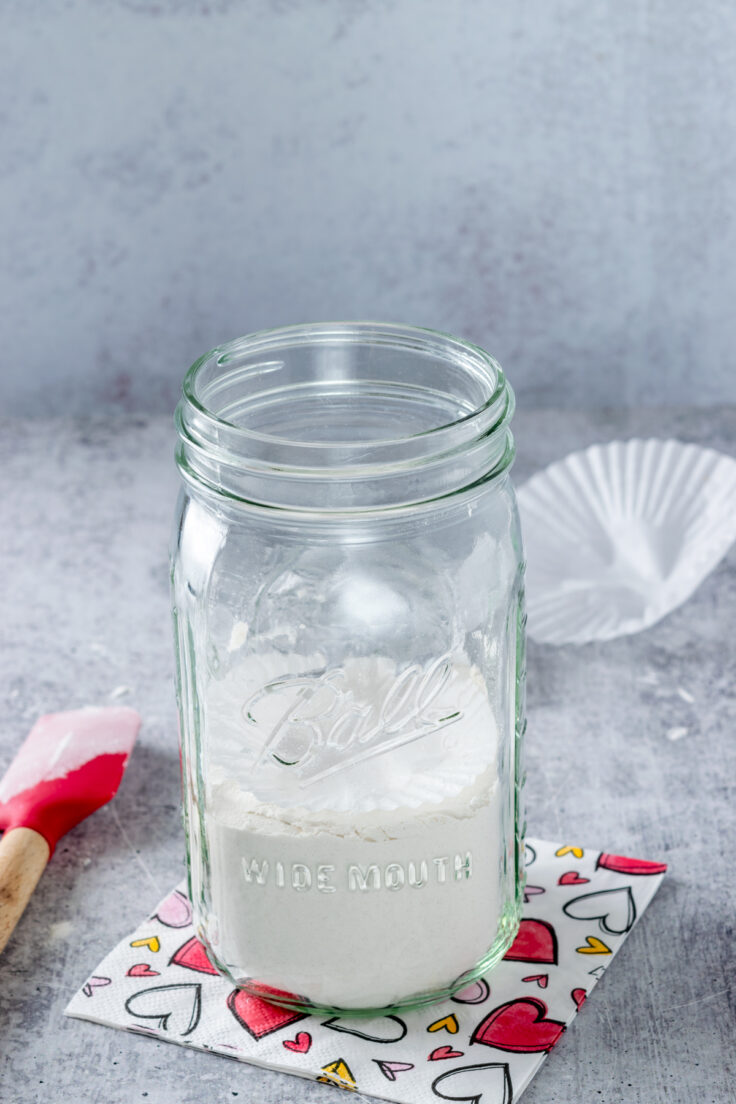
point(354, 910)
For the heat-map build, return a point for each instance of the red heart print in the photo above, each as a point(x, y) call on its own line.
point(535, 942)
point(572, 878)
point(444, 1052)
point(142, 969)
point(579, 995)
point(192, 956)
point(257, 1016)
point(301, 1044)
point(623, 865)
point(520, 1026)
point(542, 980)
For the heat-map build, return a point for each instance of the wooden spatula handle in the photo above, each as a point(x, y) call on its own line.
point(23, 856)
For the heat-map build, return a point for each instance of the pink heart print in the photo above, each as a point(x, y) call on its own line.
point(175, 911)
point(390, 1069)
point(475, 993)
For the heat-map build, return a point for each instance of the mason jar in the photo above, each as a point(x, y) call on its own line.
point(347, 581)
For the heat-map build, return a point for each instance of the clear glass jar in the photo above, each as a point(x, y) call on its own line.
point(348, 604)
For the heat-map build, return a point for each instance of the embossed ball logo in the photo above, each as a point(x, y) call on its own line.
point(323, 725)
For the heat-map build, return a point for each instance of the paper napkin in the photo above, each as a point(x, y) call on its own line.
point(485, 1044)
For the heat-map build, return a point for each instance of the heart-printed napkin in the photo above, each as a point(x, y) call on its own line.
point(484, 1045)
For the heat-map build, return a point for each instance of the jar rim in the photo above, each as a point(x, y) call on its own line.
point(274, 337)
point(217, 450)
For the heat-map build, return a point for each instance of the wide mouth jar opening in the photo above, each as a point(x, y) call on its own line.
point(344, 417)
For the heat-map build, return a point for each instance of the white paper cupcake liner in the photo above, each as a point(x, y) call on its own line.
point(619, 535)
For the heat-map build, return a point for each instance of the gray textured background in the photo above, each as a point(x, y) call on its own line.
point(554, 180)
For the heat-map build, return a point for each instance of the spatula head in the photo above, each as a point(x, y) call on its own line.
point(69, 765)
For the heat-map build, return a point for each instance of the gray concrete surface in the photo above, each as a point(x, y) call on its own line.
point(552, 179)
point(83, 561)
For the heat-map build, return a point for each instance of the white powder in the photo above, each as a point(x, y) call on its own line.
point(349, 875)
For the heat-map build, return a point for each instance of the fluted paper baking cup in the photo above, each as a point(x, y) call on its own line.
point(351, 716)
point(619, 535)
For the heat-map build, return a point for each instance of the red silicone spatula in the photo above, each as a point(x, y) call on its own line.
point(69, 765)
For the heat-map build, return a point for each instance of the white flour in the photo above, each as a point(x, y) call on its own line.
point(348, 875)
